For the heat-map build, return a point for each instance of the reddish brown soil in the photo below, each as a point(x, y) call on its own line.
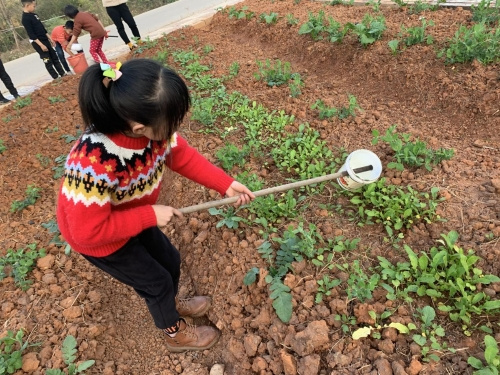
point(446, 106)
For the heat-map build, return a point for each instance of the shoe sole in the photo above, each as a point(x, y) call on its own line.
point(193, 348)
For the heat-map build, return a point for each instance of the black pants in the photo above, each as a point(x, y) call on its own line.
point(119, 12)
point(62, 58)
point(151, 265)
point(49, 58)
point(7, 82)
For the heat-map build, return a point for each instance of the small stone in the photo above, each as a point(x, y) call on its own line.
point(217, 369)
point(30, 362)
point(414, 368)
point(383, 366)
point(46, 262)
point(72, 313)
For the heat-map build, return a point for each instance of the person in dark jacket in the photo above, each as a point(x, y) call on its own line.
point(40, 39)
point(118, 10)
point(8, 84)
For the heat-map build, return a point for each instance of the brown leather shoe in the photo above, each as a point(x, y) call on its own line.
point(190, 337)
point(195, 306)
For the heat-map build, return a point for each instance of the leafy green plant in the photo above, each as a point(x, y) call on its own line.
point(325, 286)
point(291, 20)
point(2, 147)
point(346, 321)
point(485, 13)
point(44, 160)
point(341, 113)
point(22, 102)
point(242, 13)
point(339, 244)
point(53, 228)
point(32, 194)
point(479, 42)
point(430, 336)
point(420, 6)
point(393, 46)
point(234, 69)
point(270, 18)
point(416, 35)
point(394, 207)
point(161, 57)
point(335, 31)
point(446, 272)
point(276, 73)
point(68, 138)
point(207, 49)
point(369, 30)
point(18, 263)
point(144, 44)
point(56, 99)
point(230, 155)
point(69, 352)
point(8, 118)
point(491, 356)
point(359, 285)
point(295, 85)
point(314, 26)
point(11, 350)
point(229, 218)
point(411, 153)
point(60, 161)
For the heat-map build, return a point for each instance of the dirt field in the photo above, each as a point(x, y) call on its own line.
point(449, 106)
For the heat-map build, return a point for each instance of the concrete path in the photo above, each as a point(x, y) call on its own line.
point(28, 73)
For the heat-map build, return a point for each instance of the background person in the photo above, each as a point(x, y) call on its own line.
point(40, 39)
point(118, 10)
point(61, 39)
point(8, 84)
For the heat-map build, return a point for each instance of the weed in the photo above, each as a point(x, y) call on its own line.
point(22, 102)
point(185, 57)
point(412, 154)
point(369, 30)
point(324, 255)
point(269, 19)
point(19, 263)
point(417, 35)
point(291, 20)
point(68, 138)
point(11, 350)
point(479, 42)
point(335, 31)
point(230, 155)
point(161, 57)
point(491, 356)
point(56, 99)
point(194, 69)
point(144, 45)
point(50, 130)
point(229, 218)
point(295, 86)
point(346, 322)
point(8, 118)
point(314, 26)
point(400, 3)
point(44, 160)
point(393, 46)
point(485, 13)
point(359, 285)
point(234, 69)
point(32, 194)
point(3, 148)
point(431, 335)
point(325, 286)
point(52, 227)
point(446, 272)
point(239, 14)
point(59, 168)
point(69, 352)
point(394, 207)
point(207, 49)
point(276, 73)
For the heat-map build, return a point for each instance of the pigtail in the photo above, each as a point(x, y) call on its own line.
point(97, 112)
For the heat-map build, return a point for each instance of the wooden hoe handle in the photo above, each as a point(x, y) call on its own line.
point(276, 189)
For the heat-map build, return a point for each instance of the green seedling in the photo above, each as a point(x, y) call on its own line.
point(59, 169)
point(341, 113)
point(324, 258)
point(68, 138)
point(416, 35)
point(359, 285)
point(54, 129)
point(69, 352)
point(479, 42)
point(230, 156)
point(32, 194)
point(8, 118)
point(18, 263)
point(161, 57)
point(234, 69)
point(347, 322)
point(53, 228)
point(11, 351)
point(22, 102)
point(369, 30)
point(3, 148)
point(291, 20)
point(295, 85)
point(240, 14)
point(275, 73)
point(394, 46)
point(207, 49)
point(314, 26)
point(270, 18)
point(485, 12)
point(229, 218)
point(325, 286)
point(44, 160)
point(420, 6)
point(56, 99)
point(491, 357)
point(430, 336)
point(335, 31)
point(144, 44)
point(411, 153)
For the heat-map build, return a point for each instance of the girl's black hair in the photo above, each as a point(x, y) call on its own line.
point(147, 93)
point(69, 25)
point(70, 11)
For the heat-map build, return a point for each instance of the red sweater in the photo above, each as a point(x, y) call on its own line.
point(111, 182)
point(90, 23)
point(59, 35)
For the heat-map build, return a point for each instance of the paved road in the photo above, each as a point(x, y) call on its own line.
point(28, 73)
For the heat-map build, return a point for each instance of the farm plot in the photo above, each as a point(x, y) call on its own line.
point(398, 277)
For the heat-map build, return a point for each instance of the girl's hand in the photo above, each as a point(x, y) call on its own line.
point(245, 195)
point(164, 214)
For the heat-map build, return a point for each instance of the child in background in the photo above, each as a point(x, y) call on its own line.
point(4, 76)
point(40, 39)
point(61, 39)
point(90, 23)
point(107, 206)
point(75, 47)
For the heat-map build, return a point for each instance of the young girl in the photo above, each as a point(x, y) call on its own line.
point(90, 23)
point(107, 207)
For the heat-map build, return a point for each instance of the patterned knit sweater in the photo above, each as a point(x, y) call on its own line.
point(112, 181)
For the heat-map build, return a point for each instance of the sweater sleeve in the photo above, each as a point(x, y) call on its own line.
point(188, 162)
